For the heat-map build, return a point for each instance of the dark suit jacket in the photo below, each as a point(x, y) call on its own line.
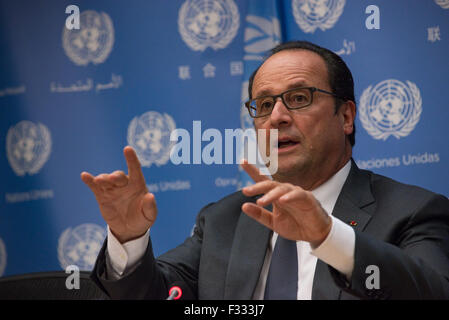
point(401, 229)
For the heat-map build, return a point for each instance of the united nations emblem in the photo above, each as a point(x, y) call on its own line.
point(81, 245)
point(390, 108)
point(149, 135)
point(2, 257)
point(443, 3)
point(28, 146)
point(261, 34)
point(92, 42)
point(313, 14)
point(208, 23)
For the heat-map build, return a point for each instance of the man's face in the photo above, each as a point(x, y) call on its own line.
point(312, 141)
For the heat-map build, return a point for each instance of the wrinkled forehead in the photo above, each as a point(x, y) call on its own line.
point(289, 68)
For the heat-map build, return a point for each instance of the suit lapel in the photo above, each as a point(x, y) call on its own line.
point(354, 203)
point(354, 207)
point(247, 256)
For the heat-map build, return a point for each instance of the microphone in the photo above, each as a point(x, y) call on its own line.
point(175, 291)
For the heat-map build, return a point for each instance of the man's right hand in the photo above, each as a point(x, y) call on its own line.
point(125, 203)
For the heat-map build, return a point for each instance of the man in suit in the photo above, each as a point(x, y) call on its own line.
point(320, 229)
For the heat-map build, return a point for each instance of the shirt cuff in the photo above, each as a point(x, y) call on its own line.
point(337, 250)
point(125, 256)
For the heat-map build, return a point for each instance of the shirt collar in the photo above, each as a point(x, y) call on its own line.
point(328, 192)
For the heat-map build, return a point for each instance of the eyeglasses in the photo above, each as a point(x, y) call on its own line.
point(296, 98)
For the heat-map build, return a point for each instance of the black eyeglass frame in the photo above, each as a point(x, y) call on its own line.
point(281, 95)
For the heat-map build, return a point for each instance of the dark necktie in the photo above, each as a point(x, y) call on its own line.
point(282, 280)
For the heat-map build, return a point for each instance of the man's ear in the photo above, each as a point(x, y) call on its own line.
point(347, 112)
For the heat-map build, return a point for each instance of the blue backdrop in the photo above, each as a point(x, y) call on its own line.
point(71, 99)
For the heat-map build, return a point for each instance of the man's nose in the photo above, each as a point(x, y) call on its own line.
point(280, 116)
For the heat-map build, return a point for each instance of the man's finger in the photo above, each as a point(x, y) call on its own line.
point(252, 171)
point(259, 214)
point(304, 200)
point(260, 187)
point(88, 179)
point(118, 178)
point(145, 216)
point(102, 180)
point(149, 208)
point(273, 195)
point(133, 163)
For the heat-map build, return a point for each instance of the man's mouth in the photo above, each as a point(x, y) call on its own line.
point(284, 143)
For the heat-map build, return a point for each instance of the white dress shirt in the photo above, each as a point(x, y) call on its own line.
point(337, 250)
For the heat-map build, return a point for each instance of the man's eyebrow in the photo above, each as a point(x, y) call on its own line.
point(268, 92)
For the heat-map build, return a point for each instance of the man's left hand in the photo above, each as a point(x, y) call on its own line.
point(297, 214)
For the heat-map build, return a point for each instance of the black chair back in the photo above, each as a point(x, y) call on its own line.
point(48, 286)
